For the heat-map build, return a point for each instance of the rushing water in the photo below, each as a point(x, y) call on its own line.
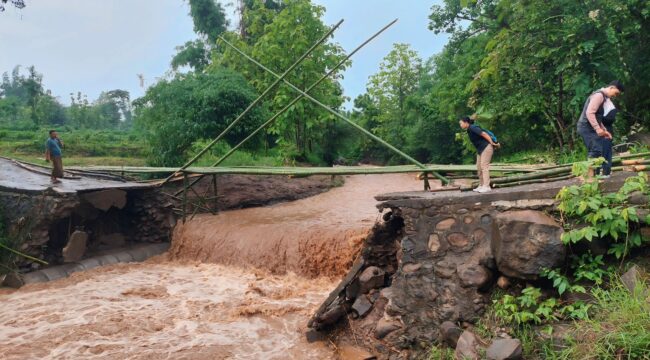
point(238, 285)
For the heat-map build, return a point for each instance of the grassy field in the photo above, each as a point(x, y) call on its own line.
point(113, 147)
point(82, 147)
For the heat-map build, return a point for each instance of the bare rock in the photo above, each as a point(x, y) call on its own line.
point(332, 315)
point(474, 275)
point(449, 333)
point(525, 242)
point(347, 352)
point(386, 326)
point(105, 199)
point(313, 335)
point(362, 305)
point(467, 347)
point(505, 349)
point(503, 282)
point(371, 278)
point(633, 277)
point(76, 247)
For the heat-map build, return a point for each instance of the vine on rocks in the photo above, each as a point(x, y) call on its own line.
point(588, 213)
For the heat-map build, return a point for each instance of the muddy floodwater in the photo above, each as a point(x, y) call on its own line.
point(238, 285)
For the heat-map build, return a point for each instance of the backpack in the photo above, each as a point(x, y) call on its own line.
point(491, 134)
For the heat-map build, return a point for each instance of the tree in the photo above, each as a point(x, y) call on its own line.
point(277, 39)
point(398, 78)
point(194, 54)
point(19, 4)
point(210, 21)
point(541, 60)
point(176, 113)
point(79, 112)
point(113, 109)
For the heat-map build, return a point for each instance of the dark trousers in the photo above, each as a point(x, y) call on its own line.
point(594, 145)
point(607, 145)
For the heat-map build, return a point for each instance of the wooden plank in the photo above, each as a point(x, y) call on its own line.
point(352, 274)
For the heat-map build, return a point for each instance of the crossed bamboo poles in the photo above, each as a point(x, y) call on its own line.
point(302, 94)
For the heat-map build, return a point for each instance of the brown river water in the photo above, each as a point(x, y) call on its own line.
point(238, 285)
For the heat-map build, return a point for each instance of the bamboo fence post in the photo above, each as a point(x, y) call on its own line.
point(333, 112)
point(185, 182)
point(259, 98)
point(214, 188)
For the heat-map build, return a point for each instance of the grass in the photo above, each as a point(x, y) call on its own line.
point(618, 328)
point(82, 147)
point(440, 353)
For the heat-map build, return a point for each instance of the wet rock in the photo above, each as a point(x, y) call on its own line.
point(332, 315)
point(76, 247)
point(106, 199)
point(14, 280)
point(474, 275)
point(525, 242)
point(449, 333)
point(362, 305)
point(347, 352)
point(633, 277)
point(467, 347)
point(386, 326)
point(313, 335)
point(505, 349)
point(371, 278)
point(503, 282)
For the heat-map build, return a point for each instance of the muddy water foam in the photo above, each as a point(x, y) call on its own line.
point(185, 306)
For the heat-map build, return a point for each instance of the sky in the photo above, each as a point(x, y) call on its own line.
point(97, 45)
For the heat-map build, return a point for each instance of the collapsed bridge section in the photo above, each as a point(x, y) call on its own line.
point(435, 259)
point(87, 214)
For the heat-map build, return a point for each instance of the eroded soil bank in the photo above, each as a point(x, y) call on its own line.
point(227, 290)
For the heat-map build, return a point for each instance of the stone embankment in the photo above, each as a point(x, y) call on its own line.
point(428, 270)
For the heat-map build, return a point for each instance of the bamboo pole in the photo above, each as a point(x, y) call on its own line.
point(534, 181)
point(259, 98)
point(184, 196)
point(216, 197)
point(333, 112)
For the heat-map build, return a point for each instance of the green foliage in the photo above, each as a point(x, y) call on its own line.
point(209, 18)
point(24, 102)
point(440, 353)
point(86, 143)
point(618, 329)
point(603, 215)
point(175, 113)
point(276, 37)
point(526, 308)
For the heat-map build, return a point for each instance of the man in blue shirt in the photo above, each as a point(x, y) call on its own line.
point(53, 152)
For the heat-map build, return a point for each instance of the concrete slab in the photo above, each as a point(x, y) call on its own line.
point(17, 177)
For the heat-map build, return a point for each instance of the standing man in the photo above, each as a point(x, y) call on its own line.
point(53, 152)
point(597, 136)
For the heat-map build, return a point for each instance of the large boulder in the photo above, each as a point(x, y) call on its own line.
point(467, 347)
point(371, 278)
point(525, 242)
point(450, 333)
point(504, 349)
